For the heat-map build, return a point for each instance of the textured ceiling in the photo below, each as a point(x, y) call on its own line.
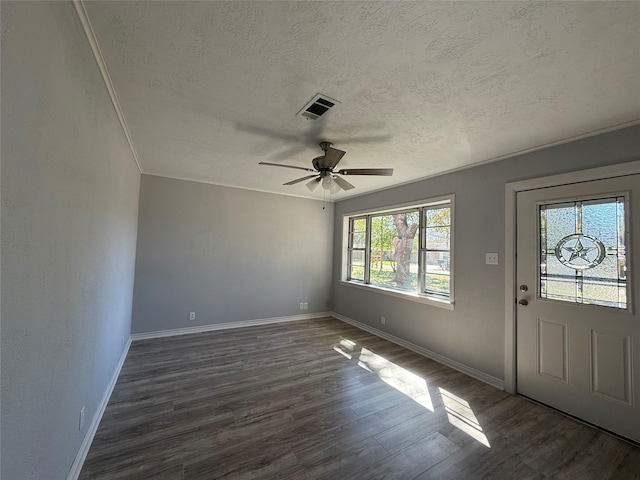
point(209, 89)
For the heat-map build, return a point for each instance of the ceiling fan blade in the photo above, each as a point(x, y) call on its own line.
point(298, 180)
point(331, 157)
point(342, 183)
point(387, 172)
point(286, 166)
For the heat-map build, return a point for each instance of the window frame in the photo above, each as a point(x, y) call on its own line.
point(351, 249)
point(420, 295)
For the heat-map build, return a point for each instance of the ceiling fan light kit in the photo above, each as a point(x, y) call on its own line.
point(323, 168)
point(329, 184)
point(313, 184)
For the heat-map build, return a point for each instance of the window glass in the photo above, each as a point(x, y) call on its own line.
point(394, 251)
point(436, 251)
point(405, 250)
point(583, 252)
point(357, 249)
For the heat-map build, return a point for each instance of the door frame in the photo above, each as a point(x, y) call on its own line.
point(510, 290)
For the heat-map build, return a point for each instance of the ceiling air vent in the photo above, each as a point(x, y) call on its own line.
point(317, 107)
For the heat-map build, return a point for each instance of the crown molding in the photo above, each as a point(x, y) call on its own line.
point(479, 163)
point(102, 66)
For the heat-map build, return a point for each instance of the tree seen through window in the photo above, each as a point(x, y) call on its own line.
point(408, 250)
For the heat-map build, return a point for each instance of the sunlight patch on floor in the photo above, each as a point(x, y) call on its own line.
point(399, 378)
point(462, 417)
point(342, 352)
point(345, 347)
point(458, 410)
point(346, 343)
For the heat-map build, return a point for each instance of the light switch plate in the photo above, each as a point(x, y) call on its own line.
point(491, 258)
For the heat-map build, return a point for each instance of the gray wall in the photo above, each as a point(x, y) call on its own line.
point(227, 254)
point(69, 212)
point(472, 334)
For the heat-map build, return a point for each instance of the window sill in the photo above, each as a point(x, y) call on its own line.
point(413, 297)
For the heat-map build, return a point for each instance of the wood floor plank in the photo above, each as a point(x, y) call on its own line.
point(340, 457)
point(411, 461)
point(321, 399)
point(411, 431)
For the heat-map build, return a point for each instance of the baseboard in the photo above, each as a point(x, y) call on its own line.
point(225, 326)
point(88, 438)
point(472, 372)
point(76, 467)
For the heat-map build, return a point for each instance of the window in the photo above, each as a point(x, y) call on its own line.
point(357, 248)
point(403, 251)
point(436, 250)
point(583, 252)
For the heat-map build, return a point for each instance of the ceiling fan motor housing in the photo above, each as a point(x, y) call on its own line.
point(316, 165)
point(323, 170)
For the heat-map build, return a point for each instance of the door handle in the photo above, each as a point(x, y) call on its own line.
point(523, 302)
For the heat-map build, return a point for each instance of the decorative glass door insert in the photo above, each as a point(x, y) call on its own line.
point(583, 252)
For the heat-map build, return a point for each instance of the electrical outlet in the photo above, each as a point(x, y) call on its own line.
point(327, 303)
point(383, 320)
point(192, 315)
point(491, 258)
point(306, 305)
point(301, 305)
point(81, 419)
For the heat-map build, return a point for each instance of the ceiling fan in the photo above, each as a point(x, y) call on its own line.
point(324, 174)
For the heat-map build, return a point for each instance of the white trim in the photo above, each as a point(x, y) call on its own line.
point(470, 371)
point(426, 202)
point(598, 173)
point(511, 190)
point(102, 66)
point(509, 290)
point(225, 326)
point(97, 53)
point(76, 467)
point(228, 185)
point(78, 462)
point(544, 146)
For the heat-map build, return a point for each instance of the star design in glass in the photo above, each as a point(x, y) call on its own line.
point(578, 251)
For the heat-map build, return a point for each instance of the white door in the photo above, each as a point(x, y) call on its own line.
point(578, 327)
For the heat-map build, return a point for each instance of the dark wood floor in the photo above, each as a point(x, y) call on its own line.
point(320, 399)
